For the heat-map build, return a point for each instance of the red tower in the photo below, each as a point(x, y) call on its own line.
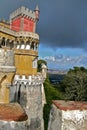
point(24, 19)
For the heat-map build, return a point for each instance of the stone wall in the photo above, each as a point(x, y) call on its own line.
point(6, 57)
point(12, 125)
point(68, 116)
point(12, 117)
point(30, 95)
point(34, 107)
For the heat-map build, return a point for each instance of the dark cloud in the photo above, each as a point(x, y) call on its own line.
point(63, 23)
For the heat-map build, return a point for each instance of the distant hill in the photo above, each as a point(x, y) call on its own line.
point(52, 71)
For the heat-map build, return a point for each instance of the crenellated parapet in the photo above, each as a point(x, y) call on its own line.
point(29, 79)
point(23, 11)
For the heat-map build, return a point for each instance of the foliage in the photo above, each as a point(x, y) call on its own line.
point(39, 63)
point(51, 94)
point(75, 84)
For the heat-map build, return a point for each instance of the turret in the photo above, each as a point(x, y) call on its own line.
point(37, 11)
point(44, 70)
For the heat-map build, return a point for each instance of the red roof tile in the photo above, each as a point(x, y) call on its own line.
point(12, 112)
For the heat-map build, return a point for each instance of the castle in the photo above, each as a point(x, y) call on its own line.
point(19, 80)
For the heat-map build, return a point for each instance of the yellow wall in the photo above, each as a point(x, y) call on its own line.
point(4, 89)
point(24, 65)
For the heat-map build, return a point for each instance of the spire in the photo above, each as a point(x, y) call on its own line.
point(37, 8)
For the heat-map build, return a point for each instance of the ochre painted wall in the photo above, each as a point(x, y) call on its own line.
point(5, 79)
point(24, 64)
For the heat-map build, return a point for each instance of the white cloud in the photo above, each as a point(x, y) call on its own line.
point(65, 61)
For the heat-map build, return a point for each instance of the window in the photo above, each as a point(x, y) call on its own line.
point(35, 63)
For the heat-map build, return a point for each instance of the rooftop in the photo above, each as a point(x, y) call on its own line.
point(70, 105)
point(12, 112)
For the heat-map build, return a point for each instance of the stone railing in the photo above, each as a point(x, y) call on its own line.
point(19, 34)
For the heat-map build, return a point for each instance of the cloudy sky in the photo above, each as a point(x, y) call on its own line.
point(62, 28)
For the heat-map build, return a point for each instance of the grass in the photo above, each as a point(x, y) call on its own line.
point(51, 93)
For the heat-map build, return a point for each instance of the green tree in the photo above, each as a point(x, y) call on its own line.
point(75, 83)
point(39, 63)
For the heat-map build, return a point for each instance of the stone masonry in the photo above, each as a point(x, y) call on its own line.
point(68, 115)
point(30, 96)
point(12, 117)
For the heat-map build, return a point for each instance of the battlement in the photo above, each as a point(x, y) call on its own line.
point(31, 79)
point(23, 11)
